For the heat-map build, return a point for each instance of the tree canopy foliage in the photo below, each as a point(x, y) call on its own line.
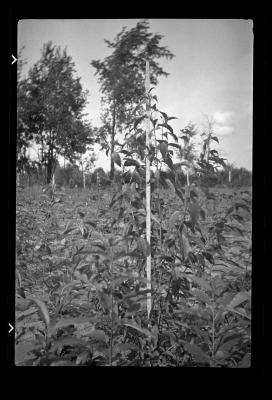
point(122, 76)
point(50, 108)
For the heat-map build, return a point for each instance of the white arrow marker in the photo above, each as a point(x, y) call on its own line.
point(11, 328)
point(14, 59)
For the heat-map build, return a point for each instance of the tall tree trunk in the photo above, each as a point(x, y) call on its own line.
point(229, 176)
point(48, 169)
point(42, 162)
point(54, 165)
point(50, 160)
point(112, 140)
point(83, 174)
point(49, 164)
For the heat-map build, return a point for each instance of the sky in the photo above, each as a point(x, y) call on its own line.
point(211, 74)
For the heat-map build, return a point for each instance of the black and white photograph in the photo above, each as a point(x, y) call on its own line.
point(134, 192)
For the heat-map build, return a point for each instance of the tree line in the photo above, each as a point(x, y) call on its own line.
point(50, 113)
point(51, 100)
point(71, 176)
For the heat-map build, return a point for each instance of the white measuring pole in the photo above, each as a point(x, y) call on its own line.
point(148, 213)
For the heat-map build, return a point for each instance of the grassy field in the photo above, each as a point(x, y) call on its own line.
point(76, 307)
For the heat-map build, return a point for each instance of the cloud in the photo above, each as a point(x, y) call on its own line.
point(223, 122)
point(223, 118)
point(223, 130)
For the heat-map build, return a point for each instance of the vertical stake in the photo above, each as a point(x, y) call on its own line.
point(148, 213)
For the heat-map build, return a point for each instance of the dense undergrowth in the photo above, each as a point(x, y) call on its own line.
point(80, 269)
point(81, 293)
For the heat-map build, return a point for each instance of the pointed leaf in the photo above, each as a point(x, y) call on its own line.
point(174, 145)
point(215, 139)
point(92, 223)
point(23, 352)
point(169, 184)
point(242, 205)
point(98, 335)
point(185, 246)
point(165, 116)
point(201, 296)
point(169, 162)
point(198, 354)
point(116, 158)
point(81, 214)
point(67, 341)
point(43, 309)
point(239, 298)
point(228, 345)
point(124, 347)
point(245, 362)
point(138, 120)
point(193, 194)
point(131, 162)
point(218, 285)
point(83, 357)
point(185, 138)
point(167, 126)
point(200, 282)
point(208, 256)
point(174, 218)
point(117, 196)
point(179, 193)
point(163, 147)
point(133, 307)
point(64, 322)
point(126, 152)
point(138, 328)
point(202, 213)
point(154, 122)
point(105, 300)
point(67, 228)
